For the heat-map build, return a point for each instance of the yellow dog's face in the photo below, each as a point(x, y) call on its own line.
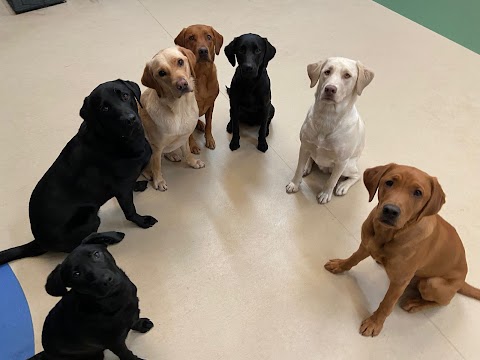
point(170, 72)
point(405, 194)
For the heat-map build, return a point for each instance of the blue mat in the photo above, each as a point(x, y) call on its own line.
point(16, 329)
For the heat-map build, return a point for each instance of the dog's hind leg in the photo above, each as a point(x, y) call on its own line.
point(142, 325)
point(123, 352)
point(308, 167)
point(434, 291)
point(352, 176)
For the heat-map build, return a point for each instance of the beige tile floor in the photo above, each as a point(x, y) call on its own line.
point(234, 268)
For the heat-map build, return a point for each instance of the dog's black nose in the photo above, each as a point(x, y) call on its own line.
point(247, 68)
point(391, 211)
point(330, 89)
point(130, 118)
point(203, 51)
point(107, 280)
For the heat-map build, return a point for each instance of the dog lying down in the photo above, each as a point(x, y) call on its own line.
point(415, 245)
point(333, 134)
point(103, 160)
point(97, 312)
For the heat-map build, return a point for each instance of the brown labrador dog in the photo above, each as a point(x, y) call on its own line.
point(204, 41)
point(416, 246)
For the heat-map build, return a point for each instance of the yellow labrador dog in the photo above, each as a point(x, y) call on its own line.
point(170, 111)
point(333, 134)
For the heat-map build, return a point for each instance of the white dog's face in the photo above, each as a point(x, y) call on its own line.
point(338, 79)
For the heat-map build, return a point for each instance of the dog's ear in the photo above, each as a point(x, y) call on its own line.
point(314, 70)
point(85, 110)
point(149, 81)
point(134, 88)
point(192, 60)
point(55, 285)
point(104, 238)
point(270, 52)
point(436, 201)
point(365, 77)
point(372, 176)
point(180, 39)
point(218, 39)
point(230, 51)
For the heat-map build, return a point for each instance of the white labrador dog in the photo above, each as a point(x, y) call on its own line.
point(333, 134)
point(170, 111)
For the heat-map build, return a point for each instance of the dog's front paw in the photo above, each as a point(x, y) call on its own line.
point(371, 326)
point(292, 188)
point(262, 146)
point(146, 221)
point(140, 186)
point(160, 185)
point(142, 325)
point(210, 142)
point(196, 164)
point(172, 156)
point(229, 127)
point(335, 266)
point(234, 145)
point(324, 197)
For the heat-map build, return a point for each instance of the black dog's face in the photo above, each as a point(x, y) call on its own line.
point(111, 109)
point(89, 269)
point(252, 52)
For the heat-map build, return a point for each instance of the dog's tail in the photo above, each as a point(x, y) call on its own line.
point(470, 291)
point(39, 356)
point(28, 250)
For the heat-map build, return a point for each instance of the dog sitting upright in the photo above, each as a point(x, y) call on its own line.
point(170, 111)
point(103, 160)
point(97, 312)
point(415, 245)
point(333, 134)
point(250, 96)
point(204, 41)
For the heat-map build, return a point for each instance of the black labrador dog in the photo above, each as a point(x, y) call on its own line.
point(103, 160)
point(99, 310)
point(250, 96)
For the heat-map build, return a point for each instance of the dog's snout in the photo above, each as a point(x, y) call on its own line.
point(391, 211)
point(182, 84)
point(203, 51)
point(330, 89)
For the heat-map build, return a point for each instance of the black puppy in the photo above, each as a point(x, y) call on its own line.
point(103, 160)
point(250, 96)
point(99, 310)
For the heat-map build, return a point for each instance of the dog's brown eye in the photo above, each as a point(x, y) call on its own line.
point(417, 193)
point(242, 51)
point(347, 76)
point(76, 274)
point(191, 38)
point(104, 108)
point(125, 97)
point(162, 73)
point(258, 51)
point(209, 37)
point(180, 62)
point(96, 255)
point(327, 72)
point(389, 183)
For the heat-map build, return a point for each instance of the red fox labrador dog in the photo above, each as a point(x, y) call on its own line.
point(204, 41)
point(405, 234)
